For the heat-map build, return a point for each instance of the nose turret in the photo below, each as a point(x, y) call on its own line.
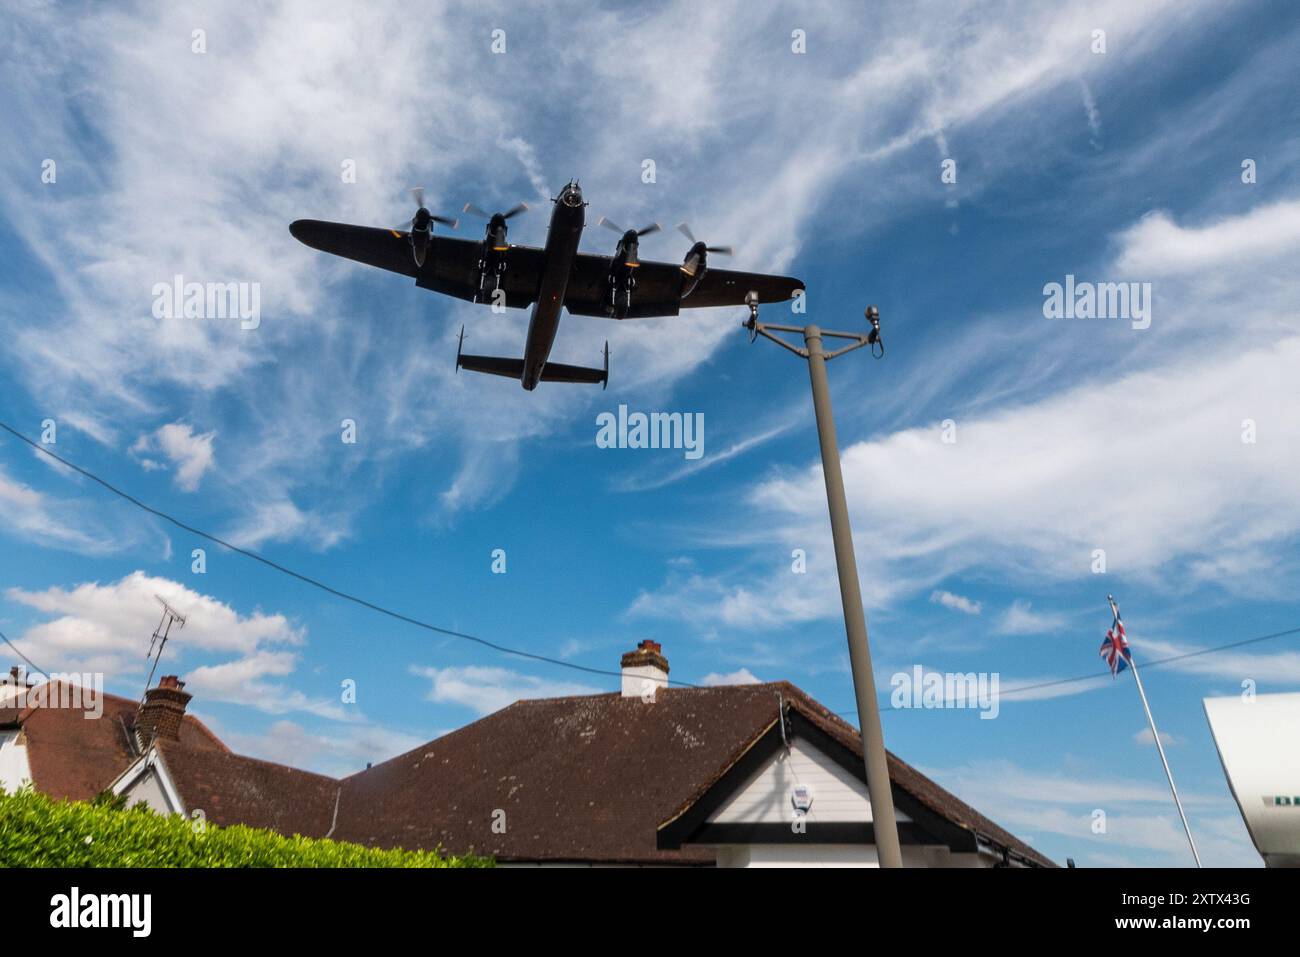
point(571, 195)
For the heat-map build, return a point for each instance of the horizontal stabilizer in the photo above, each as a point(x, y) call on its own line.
point(492, 365)
point(514, 368)
point(556, 372)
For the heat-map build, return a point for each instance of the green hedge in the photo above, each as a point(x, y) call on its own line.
point(38, 831)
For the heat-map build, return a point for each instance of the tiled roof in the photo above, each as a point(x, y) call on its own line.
point(591, 778)
point(903, 775)
point(75, 757)
point(585, 778)
point(233, 789)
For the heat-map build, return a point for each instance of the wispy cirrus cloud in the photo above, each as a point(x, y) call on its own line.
point(1044, 521)
point(38, 517)
point(1137, 824)
point(288, 104)
point(1021, 619)
point(487, 689)
point(339, 751)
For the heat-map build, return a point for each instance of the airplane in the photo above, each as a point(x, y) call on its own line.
point(556, 276)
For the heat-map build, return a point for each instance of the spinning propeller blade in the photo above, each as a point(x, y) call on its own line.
point(484, 214)
point(685, 230)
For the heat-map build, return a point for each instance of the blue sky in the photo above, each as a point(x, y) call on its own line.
point(1071, 435)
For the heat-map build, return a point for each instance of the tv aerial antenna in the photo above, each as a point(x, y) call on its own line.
point(170, 616)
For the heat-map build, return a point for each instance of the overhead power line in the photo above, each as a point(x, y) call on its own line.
point(494, 646)
point(1155, 663)
point(30, 663)
point(314, 582)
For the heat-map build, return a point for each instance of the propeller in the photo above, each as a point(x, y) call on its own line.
point(720, 250)
point(484, 214)
point(496, 227)
point(629, 244)
point(638, 233)
point(423, 217)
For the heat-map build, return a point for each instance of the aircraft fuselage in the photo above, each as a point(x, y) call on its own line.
point(567, 221)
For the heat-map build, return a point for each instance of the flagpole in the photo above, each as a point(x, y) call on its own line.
point(1156, 734)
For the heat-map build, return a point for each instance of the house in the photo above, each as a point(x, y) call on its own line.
point(70, 748)
point(652, 775)
point(156, 753)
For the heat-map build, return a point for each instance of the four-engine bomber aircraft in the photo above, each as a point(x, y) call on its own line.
point(621, 286)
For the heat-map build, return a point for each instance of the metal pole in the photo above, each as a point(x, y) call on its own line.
point(1159, 747)
point(855, 623)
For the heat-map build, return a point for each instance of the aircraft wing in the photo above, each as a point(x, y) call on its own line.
point(450, 266)
point(726, 287)
point(659, 288)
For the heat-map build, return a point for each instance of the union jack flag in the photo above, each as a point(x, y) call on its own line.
point(1115, 648)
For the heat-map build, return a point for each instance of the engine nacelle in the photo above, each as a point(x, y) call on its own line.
point(693, 267)
point(496, 234)
point(420, 245)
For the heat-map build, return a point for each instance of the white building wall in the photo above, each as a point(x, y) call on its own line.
point(643, 681)
point(838, 855)
point(14, 769)
point(149, 789)
point(838, 797)
point(765, 797)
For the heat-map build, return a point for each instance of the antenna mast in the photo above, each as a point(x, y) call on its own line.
point(160, 634)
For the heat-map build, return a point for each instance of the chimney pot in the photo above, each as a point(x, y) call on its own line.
point(163, 710)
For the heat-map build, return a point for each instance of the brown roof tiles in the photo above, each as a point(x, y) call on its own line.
point(233, 789)
point(75, 757)
point(587, 778)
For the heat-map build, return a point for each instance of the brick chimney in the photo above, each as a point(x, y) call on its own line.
point(645, 671)
point(164, 706)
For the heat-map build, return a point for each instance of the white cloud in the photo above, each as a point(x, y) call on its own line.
point(338, 751)
point(1021, 619)
point(1146, 463)
point(1157, 246)
point(1144, 736)
point(305, 88)
point(642, 480)
point(189, 452)
point(281, 519)
point(1142, 826)
point(1044, 687)
point(770, 603)
point(241, 681)
point(1149, 466)
point(955, 602)
point(742, 676)
point(1090, 109)
point(489, 689)
point(106, 627)
point(38, 517)
point(1270, 669)
point(1137, 466)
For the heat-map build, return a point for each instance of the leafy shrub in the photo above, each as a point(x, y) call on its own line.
point(39, 831)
